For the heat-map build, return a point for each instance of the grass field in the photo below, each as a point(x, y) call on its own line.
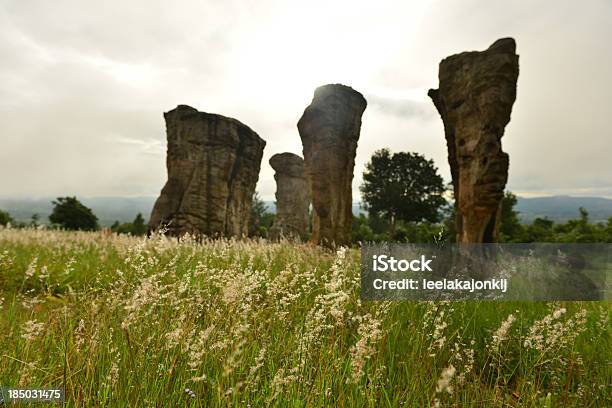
point(139, 322)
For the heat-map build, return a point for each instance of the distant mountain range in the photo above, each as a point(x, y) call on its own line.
point(556, 208)
point(107, 209)
point(563, 208)
point(124, 209)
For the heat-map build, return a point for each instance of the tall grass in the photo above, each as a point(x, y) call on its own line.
point(125, 321)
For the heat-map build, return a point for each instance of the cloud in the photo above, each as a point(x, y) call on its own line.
point(402, 107)
point(84, 85)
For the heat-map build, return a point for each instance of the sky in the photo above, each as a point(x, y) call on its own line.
point(83, 85)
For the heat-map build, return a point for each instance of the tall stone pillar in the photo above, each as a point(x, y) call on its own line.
point(292, 197)
point(474, 99)
point(329, 129)
point(213, 166)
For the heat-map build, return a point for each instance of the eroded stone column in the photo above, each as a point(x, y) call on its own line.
point(213, 166)
point(329, 129)
point(292, 197)
point(474, 99)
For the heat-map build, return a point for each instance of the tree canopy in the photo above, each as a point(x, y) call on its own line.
point(71, 214)
point(402, 186)
point(5, 218)
point(136, 227)
point(260, 219)
point(510, 225)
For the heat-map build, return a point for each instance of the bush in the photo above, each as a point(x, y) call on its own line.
point(69, 213)
point(5, 218)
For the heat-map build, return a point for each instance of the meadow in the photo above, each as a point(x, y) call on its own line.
point(154, 322)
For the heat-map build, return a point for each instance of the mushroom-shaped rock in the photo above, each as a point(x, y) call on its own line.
point(474, 99)
point(213, 166)
point(292, 197)
point(329, 129)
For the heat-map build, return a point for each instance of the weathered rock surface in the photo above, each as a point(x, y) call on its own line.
point(474, 99)
point(292, 197)
point(213, 166)
point(329, 129)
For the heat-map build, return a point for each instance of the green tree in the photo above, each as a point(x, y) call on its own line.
point(580, 230)
point(125, 228)
point(402, 186)
point(361, 231)
point(540, 230)
point(138, 225)
point(422, 232)
point(5, 218)
point(510, 229)
point(260, 219)
point(34, 220)
point(71, 214)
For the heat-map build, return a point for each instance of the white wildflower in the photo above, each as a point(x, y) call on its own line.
point(79, 335)
point(259, 360)
point(31, 270)
point(558, 313)
point(198, 348)
point(32, 329)
point(444, 383)
point(550, 333)
point(370, 333)
point(501, 334)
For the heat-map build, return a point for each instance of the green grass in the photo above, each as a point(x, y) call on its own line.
point(132, 322)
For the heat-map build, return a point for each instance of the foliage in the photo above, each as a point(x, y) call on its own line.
point(545, 230)
point(34, 220)
point(69, 213)
point(127, 321)
point(140, 228)
point(260, 220)
point(402, 186)
point(5, 218)
point(361, 230)
point(136, 227)
point(510, 225)
point(373, 228)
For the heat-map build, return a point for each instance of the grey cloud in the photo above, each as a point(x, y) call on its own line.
point(83, 85)
point(405, 108)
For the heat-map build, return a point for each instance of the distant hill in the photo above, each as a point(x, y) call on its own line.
point(556, 208)
point(107, 209)
point(124, 209)
point(563, 208)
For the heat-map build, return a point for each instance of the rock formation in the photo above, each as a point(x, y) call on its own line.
point(474, 99)
point(292, 197)
point(213, 165)
point(329, 129)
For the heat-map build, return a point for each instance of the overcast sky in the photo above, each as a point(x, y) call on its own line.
point(83, 84)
